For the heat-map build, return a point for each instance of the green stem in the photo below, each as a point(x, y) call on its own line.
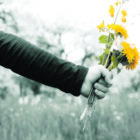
point(110, 67)
point(117, 14)
point(109, 34)
point(106, 62)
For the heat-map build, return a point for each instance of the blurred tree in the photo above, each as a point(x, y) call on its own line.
point(88, 55)
point(25, 84)
point(135, 82)
point(3, 92)
point(57, 32)
point(88, 47)
point(8, 20)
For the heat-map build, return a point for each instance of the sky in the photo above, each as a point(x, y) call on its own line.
point(81, 14)
point(84, 14)
point(87, 14)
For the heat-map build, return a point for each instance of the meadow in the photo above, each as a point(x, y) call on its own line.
point(116, 118)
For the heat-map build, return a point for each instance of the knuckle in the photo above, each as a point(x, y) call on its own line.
point(99, 94)
point(95, 85)
point(102, 82)
point(96, 91)
point(101, 97)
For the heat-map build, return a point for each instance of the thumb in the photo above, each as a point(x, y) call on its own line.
point(108, 76)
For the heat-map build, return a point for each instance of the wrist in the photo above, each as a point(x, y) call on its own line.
point(85, 88)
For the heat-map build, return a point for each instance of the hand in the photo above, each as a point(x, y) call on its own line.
point(100, 77)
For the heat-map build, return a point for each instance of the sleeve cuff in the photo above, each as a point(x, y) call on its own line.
point(79, 80)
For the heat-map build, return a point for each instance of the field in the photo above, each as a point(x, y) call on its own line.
point(116, 118)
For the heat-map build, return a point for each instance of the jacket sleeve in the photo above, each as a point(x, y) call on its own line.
point(37, 64)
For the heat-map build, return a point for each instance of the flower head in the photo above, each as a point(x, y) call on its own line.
point(117, 3)
point(101, 26)
point(111, 10)
point(118, 29)
point(123, 19)
point(135, 61)
point(124, 13)
point(131, 54)
point(127, 51)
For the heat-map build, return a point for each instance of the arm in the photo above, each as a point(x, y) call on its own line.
point(27, 60)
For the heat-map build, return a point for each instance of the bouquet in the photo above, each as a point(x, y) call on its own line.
point(117, 51)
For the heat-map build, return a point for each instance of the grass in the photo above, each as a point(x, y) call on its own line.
point(116, 118)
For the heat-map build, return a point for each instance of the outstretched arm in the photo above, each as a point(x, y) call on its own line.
point(27, 60)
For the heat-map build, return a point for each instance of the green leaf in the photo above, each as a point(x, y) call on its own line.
point(114, 60)
point(107, 50)
point(109, 44)
point(111, 36)
point(101, 58)
point(110, 40)
point(103, 39)
point(117, 53)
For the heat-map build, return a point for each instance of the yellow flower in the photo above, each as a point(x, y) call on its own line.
point(135, 61)
point(118, 29)
point(123, 19)
point(127, 50)
point(124, 13)
point(101, 26)
point(111, 10)
point(117, 3)
point(131, 54)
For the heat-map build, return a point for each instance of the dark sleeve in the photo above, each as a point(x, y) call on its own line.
point(27, 60)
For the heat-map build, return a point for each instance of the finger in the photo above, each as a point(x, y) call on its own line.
point(99, 94)
point(107, 75)
point(101, 87)
point(103, 82)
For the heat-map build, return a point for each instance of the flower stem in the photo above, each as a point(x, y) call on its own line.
point(109, 34)
point(110, 67)
point(118, 13)
point(106, 62)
